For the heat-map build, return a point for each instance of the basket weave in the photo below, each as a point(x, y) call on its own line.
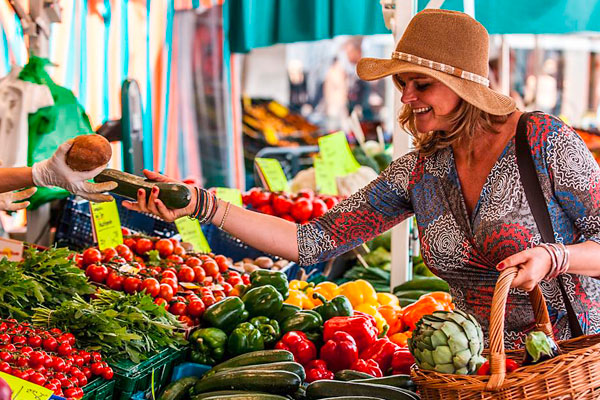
point(575, 374)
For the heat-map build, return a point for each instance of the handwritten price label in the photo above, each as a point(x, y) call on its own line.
point(324, 177)
point(234, 196)
point(337, 155)
point(107, 225)
point(273, 174)
point(24, 390)
point(191, 232)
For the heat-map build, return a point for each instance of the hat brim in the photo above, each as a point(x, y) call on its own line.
point(480, 96)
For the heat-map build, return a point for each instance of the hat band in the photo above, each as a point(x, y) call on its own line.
point(448, 69)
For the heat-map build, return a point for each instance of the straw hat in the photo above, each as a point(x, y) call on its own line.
point(449, 46)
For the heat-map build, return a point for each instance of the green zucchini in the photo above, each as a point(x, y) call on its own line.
point(411, 294)
point(325, 388)
point(276, 382)
point(202, 396)
point(430, 283)
point(251, 396)
point(288, 366)
point(254, 358)
point(400, 381)
point(350, 375)
point(179, 389)
point(174, 195)
point(406, 302)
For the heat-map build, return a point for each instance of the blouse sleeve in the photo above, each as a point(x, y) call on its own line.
point(575, 177)
point(372, 210)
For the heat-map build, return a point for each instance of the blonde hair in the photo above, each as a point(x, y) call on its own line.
point(466, 120)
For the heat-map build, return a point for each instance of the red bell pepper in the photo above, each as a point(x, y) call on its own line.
point(298, 344)
point(360, 326)
point(511, 365)
point(339, 352)
point(317, 370)
point(402, 361)
point(368, 367)
point(382, 351)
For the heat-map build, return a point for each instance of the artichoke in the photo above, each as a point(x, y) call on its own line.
point(449, 342)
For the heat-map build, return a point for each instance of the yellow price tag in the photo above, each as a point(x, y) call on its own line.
point(107, 225)
point(191, 232)
point(336, 153)
point(234, 196)
point(273, 174)
point(324, 177)
point(24, 390)
point(189, 285)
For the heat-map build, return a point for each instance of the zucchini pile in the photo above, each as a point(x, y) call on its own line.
point(411, 291)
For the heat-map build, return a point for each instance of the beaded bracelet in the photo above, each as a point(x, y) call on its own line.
point(224, 215)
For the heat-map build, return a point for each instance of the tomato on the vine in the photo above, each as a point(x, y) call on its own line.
point(125, 252)
point(143, 246)
point(196, 308)
point(50, 344)
point(132, 285)
point(165, 291)
point(165, 247)
point(175, 258)
point(91, 256)
point(64, 349)
point(211, 268)
point(193, 262)
point(179, 250)
point(114, 280)
point(186, 274)
point(169, 273)
point(151, 286)
point(222, 262)
point(199, 274)
point(108, 254)
point(178, 308)
point(97, 272)
point(186, 320)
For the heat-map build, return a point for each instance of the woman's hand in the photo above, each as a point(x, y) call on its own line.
point(155, 206)
point(13, 201)
point(533, 266)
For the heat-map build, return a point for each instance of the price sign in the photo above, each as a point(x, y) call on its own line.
point(107, 225)
point(11, 249)
point(336, 153)
point(24, 390)
point(324, 177)
point(273, 174)
point(234, 196)
point(191, 232)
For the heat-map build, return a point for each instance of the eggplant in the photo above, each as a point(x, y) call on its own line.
point(539, 347)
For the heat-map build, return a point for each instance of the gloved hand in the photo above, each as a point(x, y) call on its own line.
point(55, 172)
point(9, 201)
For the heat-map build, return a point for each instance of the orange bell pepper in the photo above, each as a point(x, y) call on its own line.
point(387, 299)
point(401, 338)
point(393, 316)
point(442, 298)
point(424, 306)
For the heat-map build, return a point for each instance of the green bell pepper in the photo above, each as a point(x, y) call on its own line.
point(287, 310)
point(244, 339)
point(269, 329)
point(226, 314)
point(263, 301)
point(208, 345)
point(277, 279)
point(308, 321)
point(339, 306)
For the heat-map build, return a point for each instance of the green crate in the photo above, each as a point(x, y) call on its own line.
point(131, 378)
point(99, 389)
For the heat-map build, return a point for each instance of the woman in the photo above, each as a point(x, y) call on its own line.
point(51, 172)
point(462, 184)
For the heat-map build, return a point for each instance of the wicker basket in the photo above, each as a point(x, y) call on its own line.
point(575, 374)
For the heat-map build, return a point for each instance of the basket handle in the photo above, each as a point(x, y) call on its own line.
point(542, 321)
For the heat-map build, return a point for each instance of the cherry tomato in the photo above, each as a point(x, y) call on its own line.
point(132, 285)
point(5, 367)
point(125, 252)
point(114, 280)
point(281, 204)
point(108, 254)
point(227, 287)
point(129, 242)
point(179, 250)
point(209, 300)
point(97, 272)
point(19, 340)
point(97, 368)
point(199, 274)
point(87, 372)
point(211, 268)
point(266, 209)
point(37, 379)
point(36, 359)
point(6, 356)
point(196, 308)
point(162, 302)
point(91, 256)
point(184, 319)
point(259, 198)
point(165, 247)
point(193, 262)
point(125, 231)
point(50, 344)
point(302, 209)
point(96, 357)
point(151, 286)
point(171, 282)
point(331, 202)
point(169, 273)
point(143, 246)
point(79, 260)
point(34, 341)
point(67, 337)
point(178, 308)
point(223, 263)
point(64, 349)
point(186, 274)
point(175, 258)
point(306, 193)
point(165, 291)
point(319, 208)
point(58, 364)
point(108, 373)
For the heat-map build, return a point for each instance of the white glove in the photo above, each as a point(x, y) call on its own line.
point(55, 172)
point(9, 201)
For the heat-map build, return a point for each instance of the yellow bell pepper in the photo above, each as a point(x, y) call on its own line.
point(382, 325)
point(298, 285)
point(327, 289)
point(359, 292)
point(387, 299)
point(296, 298)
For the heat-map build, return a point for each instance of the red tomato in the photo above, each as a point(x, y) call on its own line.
point(171, 282)
point(319, 208)
point(179, 250)
point(132, 285)
point(162, 302)
point(169, 273)
point(151, 286)
point(108, 373)
point(223, 263)
point(208, 300)
point(79, 260)
point(265, 209)
point(165, 291)
point(130, 242)
point(143, 246)
point(65, 349)
point(259, 198)
point(282, 204)
point(165, 247)
point(125, 231)
point(115, 281)
point(193, 262)
point(186, 274)
point(227, 287)
point(97, 273)
point(178, 308)
point(199, 274)
point(175, 258)
point(125, 252)
point(184, 319)
point(196, 308)
point(50, 344)
point(234, 280)
point(331, 202)
point(108, 254)
point(174, 241)
point(91, 256)
point(246, 279)
point(34, 341)
point(302, 209)
point(306, 193)
point(211, 268)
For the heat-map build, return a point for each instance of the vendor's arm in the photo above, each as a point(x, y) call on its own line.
point(15, 178)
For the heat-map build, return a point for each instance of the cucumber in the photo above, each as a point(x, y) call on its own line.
point(399, 381)
point(179, 389)
point(325, 388)
point(254, 358)
point(411, 294)
point(251, 396)
point(405, 302)
point(431, 283)
point(174, 195)
point(350, 375)
point(203, 396)
point(276, 382)
point(288, 366)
